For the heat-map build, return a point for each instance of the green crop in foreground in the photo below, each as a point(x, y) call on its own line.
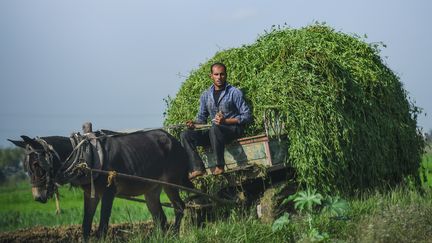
point(19, 210)
point(346, 114)
point(399, 215)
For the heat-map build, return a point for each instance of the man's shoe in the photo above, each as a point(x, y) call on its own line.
point(218, 170)
point(196, 173)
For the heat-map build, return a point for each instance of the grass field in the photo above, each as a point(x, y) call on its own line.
point(400, 215)
point(19, 210)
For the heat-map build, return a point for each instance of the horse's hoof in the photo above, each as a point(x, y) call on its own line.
point(100, 234)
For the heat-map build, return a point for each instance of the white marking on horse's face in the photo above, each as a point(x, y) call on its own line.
point(39, 195)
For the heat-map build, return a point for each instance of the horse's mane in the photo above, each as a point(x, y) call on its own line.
point(122, 134)
point(62, 145)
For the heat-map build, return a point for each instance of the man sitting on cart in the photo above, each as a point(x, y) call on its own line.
point(228, 111)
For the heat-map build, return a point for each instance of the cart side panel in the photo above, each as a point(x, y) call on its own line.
point(278, 151)
point(256, 150)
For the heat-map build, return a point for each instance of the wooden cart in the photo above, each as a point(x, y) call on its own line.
point(253, 165)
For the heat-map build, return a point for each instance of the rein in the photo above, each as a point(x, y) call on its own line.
point(69, 168)
point(178, 126)
point(113, 174)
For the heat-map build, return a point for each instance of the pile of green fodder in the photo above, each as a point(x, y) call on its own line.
point(346, 115)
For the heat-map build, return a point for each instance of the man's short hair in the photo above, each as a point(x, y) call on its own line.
point(217, 64)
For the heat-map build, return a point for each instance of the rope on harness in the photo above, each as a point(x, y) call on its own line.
point(84, 167)
point(81, 166)
point(111, 177)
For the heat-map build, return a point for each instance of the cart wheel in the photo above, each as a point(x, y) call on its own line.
point(198, 211)
point(193, 217)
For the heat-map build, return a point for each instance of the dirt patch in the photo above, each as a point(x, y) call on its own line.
point(117, 232)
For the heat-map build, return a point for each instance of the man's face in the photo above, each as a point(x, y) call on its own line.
point(218, 76)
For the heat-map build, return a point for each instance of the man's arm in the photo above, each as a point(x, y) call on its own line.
point(202, 113)
point(219, 119)
point(244, 115)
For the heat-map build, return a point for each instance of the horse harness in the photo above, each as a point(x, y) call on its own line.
point(85, 163)
point(45, 162)
point(87, 152)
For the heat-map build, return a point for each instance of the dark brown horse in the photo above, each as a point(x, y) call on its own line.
point(152, 154)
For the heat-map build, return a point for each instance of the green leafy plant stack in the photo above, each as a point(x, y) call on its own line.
point(347, 117)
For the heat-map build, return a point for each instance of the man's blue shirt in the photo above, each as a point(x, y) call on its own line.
point(231, 103)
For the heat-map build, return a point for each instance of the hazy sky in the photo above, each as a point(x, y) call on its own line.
point(113, 62)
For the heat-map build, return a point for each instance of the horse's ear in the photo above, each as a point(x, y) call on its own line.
point(32, 142)
point(21, 144)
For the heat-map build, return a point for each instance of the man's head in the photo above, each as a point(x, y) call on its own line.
point(218, 75)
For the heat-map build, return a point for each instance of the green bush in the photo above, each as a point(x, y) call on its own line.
point(346, 114)
point(10, 164)
point(11, 157)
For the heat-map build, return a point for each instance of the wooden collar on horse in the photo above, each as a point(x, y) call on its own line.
point(88, 151)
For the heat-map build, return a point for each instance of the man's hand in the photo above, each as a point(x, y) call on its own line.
point(219, 118)
point(190, 124)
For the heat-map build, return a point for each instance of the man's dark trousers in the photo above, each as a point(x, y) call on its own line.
point(217, 136)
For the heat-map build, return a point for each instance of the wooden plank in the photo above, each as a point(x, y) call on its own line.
point(255, 150)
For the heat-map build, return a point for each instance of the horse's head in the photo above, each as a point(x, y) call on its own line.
point(38, 163)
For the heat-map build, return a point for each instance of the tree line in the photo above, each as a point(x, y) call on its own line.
point(11, 164)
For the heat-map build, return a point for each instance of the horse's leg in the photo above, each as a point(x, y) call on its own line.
point(90, 205)
point(155, 207)
point(107, 202)
point(178, 204)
